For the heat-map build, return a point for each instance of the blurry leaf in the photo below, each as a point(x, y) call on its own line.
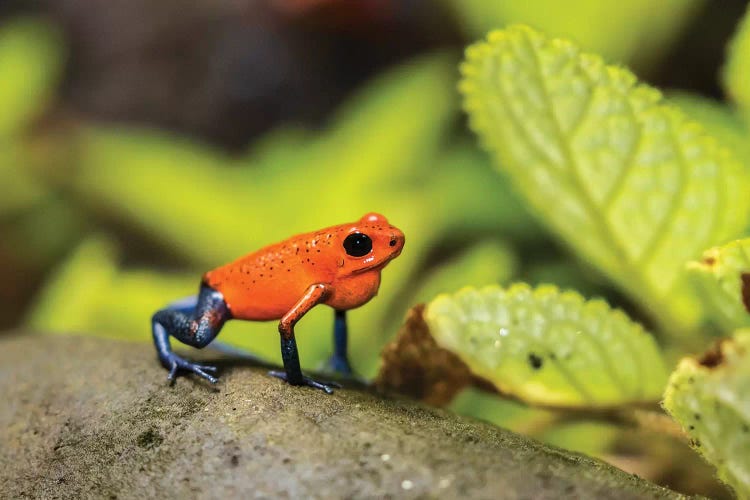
point(88, 294)
point(564, 272)
point(736, 72)
point(637, 31)
point(66, 302)
point(41, 234)
point(18, 189)
point(506, 413)
point(548, 347)
point(30, 65)
point(628, 182)
point(541, 346)
point(591, 438)
point(170, 186)
point(124, 310)
point(483, 264)
point(709, 398)
point(469, 198)
point(31, 60)
point(723, 277)
point(398, 119)
point(184, 195)
point(720, 121)
point(277, 151)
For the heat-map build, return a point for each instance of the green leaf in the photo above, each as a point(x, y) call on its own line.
point(643, 31)
point(30, 62)
point(482, 264)
point(18, 190)
point(720, 120)
point(565, 272)
point(388, 131)
point(709, 397)
point(75, 288)
point(480, 201)
point(40, 235)
point(548, 347)
point(591, 438)
point(723, 277)
point(89, 294)
point(736, 72)
point(630, 183)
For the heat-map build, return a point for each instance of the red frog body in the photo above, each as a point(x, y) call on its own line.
point(338, 266)
point(266, 284)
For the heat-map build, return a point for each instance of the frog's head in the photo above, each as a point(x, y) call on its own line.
point(368, 244)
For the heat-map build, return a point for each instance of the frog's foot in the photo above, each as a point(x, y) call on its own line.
point(175, 364)
point(326, 387)
point(340, 366)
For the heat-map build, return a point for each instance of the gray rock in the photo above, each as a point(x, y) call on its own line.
point(91, 418)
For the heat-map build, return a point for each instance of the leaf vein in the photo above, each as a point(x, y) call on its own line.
point(670, 216)
point(600, 224)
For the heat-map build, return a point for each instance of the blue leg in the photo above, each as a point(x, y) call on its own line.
point(293, 373)
point(339, 362)
point(194, 321)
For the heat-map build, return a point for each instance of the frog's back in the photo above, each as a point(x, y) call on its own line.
point(266, 284)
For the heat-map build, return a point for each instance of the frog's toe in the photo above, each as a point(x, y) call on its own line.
point(326, 386)
point(279, 374)
point(176, 364)
point(199, 371)
point(172, 373)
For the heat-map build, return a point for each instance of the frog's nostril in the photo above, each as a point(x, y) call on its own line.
point(393, 241)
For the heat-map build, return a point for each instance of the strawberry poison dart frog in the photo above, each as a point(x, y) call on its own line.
point(338, 266)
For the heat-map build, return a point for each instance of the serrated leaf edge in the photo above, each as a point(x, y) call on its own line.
point(628, 275)
point(591, 307)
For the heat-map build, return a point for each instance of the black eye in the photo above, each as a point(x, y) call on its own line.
point(357, 244)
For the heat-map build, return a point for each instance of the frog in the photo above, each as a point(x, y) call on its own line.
point(338, 266)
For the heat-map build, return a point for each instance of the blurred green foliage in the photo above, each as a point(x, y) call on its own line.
point(619, 31)
point(116, 221)
point(736, 74)
point(31, 60)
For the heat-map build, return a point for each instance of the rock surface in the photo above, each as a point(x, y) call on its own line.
point(89, 418)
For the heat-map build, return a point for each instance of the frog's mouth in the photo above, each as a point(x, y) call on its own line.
point(369, 268)
point(376, 265)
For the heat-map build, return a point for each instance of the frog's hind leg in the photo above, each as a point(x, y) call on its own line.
point(195, 321)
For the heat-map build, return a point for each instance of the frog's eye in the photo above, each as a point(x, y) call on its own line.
point(357, 244)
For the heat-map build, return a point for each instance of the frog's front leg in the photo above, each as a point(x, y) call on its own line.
point(194, 322)
point(292, 372)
